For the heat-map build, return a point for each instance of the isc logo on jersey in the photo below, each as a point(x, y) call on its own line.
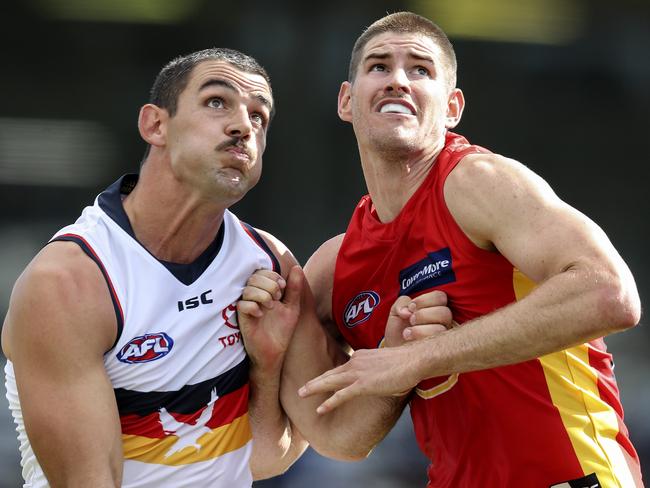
point(358, 309)
point(146, 348)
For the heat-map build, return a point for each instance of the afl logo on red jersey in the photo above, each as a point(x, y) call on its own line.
point(358, 309)
point(145, 348)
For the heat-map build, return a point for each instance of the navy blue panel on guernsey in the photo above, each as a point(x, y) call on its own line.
point(262, 243)
point(434, 270)
point(110, 201)
point(187, 400)
point(85, 247)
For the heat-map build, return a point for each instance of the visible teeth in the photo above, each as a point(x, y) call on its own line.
point(395, 108)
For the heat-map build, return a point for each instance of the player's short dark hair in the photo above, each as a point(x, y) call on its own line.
point(406, 23)
point(174, 76)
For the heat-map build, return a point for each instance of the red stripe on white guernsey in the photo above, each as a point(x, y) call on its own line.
point(101, 264)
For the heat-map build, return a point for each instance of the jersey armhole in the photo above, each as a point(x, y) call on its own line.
point(89, 251)
point(262, 243)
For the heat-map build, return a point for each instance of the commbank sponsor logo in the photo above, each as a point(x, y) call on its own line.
point(359, 309)
point(146, 348)
point(434, 270)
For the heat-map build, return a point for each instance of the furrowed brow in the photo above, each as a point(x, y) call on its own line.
point(422, 57)
point(217, 82)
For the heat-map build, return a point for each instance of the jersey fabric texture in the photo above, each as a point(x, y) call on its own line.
point(178, 367)
point(534, 424)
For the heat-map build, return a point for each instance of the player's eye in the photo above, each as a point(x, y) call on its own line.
point(378, 67)
point(216, 102)
point(258, 118)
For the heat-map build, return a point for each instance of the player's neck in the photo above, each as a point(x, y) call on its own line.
point(167, 219)
point(392, 179)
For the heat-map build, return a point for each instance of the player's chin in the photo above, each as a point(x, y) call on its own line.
point(233, 185)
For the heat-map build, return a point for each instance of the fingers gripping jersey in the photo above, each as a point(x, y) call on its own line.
point(178, 367)
point(535, 424)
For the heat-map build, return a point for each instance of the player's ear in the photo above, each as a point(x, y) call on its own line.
point(152, 124)
point(344, 108)
point(455, 107)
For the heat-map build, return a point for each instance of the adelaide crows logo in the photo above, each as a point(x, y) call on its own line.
point(358, 309)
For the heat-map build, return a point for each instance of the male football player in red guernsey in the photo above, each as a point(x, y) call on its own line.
point(522, 393)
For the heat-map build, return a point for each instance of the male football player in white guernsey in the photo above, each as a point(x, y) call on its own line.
point(121, 334)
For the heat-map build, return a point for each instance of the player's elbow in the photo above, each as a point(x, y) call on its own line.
point(348, 452)
point(619, 304)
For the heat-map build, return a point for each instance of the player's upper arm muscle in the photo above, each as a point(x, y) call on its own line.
point(60, 322)
point(319, 272)
point(500, 204)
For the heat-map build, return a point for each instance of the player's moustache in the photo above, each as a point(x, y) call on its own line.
point(234, 141)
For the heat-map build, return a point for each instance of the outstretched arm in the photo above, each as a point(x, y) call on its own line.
point(585, 289)
point(59, 324)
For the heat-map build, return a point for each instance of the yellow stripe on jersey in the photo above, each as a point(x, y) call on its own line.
point(522, 284)
point(438, 389)
point(212, 444)
point(590, 422)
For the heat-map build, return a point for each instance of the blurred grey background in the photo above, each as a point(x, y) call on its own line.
point(561, 85)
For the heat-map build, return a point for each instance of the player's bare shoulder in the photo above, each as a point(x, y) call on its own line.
point(320, 266)
point(280, 251)
point(484, 190)
point(319, 272)
point(60, 295)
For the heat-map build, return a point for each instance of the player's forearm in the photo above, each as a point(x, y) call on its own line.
point(276, 444)
point(348, 433)
point(570, 308)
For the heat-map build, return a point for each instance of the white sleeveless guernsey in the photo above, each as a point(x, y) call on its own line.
point(178, 366)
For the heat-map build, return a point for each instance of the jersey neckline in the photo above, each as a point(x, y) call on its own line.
point(110, 201)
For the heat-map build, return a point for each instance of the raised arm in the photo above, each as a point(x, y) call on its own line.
point(585, 290)
point(59, 324)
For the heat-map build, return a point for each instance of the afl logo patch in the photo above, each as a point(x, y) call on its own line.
point(358, 309)
point(146, 348)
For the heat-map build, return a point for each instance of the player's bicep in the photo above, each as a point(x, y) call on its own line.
point(61, 321)
point(499, 202)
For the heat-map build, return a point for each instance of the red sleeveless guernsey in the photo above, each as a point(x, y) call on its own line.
point(556, 420)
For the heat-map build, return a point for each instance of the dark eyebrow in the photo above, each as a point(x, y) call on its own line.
point(226, 84)
point(376, 56)
point(264, 101)
point(422, 57)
